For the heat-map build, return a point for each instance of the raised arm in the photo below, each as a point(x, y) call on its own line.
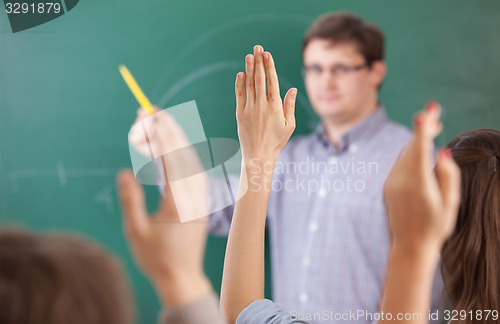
point(169, 253)
point(265, 124)
point(422, 212)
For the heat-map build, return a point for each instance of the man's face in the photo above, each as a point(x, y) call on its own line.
point(347, 94)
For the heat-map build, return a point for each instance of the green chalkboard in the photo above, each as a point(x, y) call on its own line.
point(65, 111)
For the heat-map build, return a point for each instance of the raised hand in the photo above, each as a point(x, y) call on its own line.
point(264, 127)
point(422, 208)
point(164, 133)
point(160, 135)
point(169, 253)
point(423, 205)
point(265, 123)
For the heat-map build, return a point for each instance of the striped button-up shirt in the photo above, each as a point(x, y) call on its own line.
point(328, 228)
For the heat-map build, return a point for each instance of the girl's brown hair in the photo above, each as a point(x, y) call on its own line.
point(60, 279)
point(471, 257)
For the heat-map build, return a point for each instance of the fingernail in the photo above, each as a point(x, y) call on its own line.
point(257, 49)
point(446, 153)
point(431, 105)
point(293, 93)
point(266, 56)
point(250, 59)
point(418, 120)
point(240, 76)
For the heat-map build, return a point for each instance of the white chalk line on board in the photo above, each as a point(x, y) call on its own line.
point(104, 195)
point(219, 29)
point(60, 173)
point(196, 75)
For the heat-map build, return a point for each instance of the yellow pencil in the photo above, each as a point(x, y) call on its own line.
point(136, 90)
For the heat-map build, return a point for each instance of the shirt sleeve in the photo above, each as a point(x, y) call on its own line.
point(202, 311)
point(264, 311)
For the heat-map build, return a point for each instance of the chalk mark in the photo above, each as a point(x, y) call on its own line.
point(230, 25)
point(105, 196)
point(196, 75)
point(61, 173)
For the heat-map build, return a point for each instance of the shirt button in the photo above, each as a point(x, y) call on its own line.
point(322, 192)
point(353, 148)
point(333, 160)
point(313, 227)
point(303, 298)
point(306, 261)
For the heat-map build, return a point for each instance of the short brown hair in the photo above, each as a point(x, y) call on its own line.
point(60, 279)
point(345, 27)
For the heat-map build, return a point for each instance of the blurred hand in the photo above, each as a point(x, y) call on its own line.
point(265, 123)
point(423, 208)
point(169, 253)
point(164, 133)
point(179, 160)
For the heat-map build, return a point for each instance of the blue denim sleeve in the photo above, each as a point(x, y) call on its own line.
point(264, 311)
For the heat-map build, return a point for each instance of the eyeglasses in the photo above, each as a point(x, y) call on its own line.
point(315, 70)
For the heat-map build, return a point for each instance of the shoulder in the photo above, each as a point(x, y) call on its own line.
point(394, 133)
point(397, 128)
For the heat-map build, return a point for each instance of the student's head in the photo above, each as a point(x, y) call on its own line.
point(470, 257)
point(343, 40)
point(60, 279)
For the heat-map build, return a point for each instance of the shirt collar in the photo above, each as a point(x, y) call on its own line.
point(361, 130)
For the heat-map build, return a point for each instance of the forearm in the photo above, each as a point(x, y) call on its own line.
point(243, 280)
point(408, 287)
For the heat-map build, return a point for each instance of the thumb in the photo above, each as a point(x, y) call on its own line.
point(449, 180)
point(131, 195)
point(289, 104)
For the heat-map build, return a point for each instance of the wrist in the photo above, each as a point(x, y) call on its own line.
point(260, 158)
point(259, 173)
point(419, 256)
point(260, 165)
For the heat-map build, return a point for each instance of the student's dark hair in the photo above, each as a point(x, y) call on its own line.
point(470, 257)
point(60, 279)
point(344, 27)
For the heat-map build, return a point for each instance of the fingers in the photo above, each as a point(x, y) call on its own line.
point(141, 113)
point(427, 124)
point(448, 174)
point(289, 106)
point(273, 88)
point(239, 89)
point(260, 74)
point(427, 128)
point(131, 197)
point(432, 125)
point(168, 134)
point(250, 82)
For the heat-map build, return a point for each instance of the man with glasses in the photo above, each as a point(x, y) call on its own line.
point(328, 227)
